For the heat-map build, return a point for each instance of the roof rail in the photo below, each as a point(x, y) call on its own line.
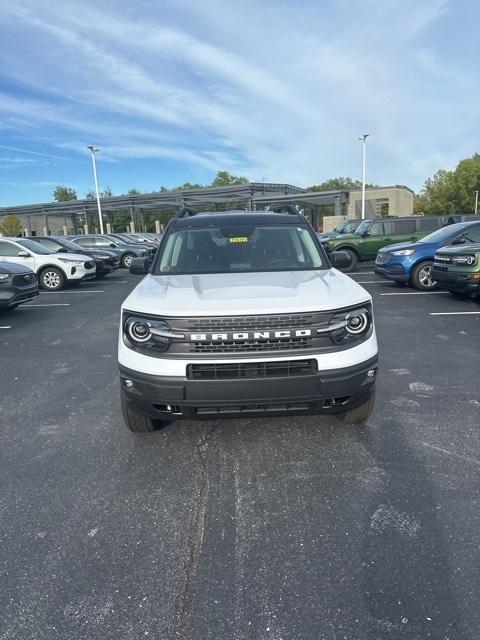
point(186, 212)
point(285, 208)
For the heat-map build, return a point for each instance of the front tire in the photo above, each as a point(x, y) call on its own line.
point(51, 279)
point(421, 277)
point(138, 423)
point(127, 260)
point(353, 260)
point(360, 414)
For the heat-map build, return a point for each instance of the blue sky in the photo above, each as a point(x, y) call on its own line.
point(277, 90)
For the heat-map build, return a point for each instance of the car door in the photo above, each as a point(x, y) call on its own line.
point(373, 241)
point(9, 253)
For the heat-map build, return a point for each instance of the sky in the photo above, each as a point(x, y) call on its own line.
point(172, 91)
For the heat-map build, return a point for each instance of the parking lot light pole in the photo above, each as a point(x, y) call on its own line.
point(476, 202)
point(93, 150)
point(363, 138)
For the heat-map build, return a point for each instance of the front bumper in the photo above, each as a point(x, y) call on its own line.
point(331, 391)
point(393, 272)
point(462, 281)
point(16, 295)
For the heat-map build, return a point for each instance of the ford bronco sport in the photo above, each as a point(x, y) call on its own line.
point(242, 314)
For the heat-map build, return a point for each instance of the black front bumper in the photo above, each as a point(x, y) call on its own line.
point(324, 392)
point(14, 295)
point(461, 281)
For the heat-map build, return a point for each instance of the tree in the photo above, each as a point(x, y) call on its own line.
point(10, 226)
point(226, 179)
point(450, 192)
point(188, 185)
point(64, 194)
point(91, 195)
point(338, 184)
point(133, 192)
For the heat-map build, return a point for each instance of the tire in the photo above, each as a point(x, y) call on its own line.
point(360, 414)
point(353, 260)
point(127, 260)
point(136, 422)
point(51, 279)
point(421, 278)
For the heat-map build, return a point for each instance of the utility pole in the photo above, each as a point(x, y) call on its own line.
point(476, 202)
point(93, 150)
point(363, 138)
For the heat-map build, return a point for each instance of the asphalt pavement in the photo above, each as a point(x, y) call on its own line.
point(294, 528)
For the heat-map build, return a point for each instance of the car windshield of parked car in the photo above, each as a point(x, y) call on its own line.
point(444, 234)
point(245, 248)
point(35, 247)
point(67, 244)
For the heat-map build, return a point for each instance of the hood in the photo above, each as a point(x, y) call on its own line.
point(73, 256)
point(227, 294)
point(404, 245)
point(460, 249)
point(13, 267)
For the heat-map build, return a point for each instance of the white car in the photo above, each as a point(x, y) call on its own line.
point(54, 271)
point(242, 314)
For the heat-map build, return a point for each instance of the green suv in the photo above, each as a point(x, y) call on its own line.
point(457, 269)
point(372, 235)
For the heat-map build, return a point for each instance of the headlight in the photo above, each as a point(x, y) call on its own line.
point(351, 325)
point(4, 276)
point(469, 260)
point(71, 261)
point(148, 333)
point(403, 252)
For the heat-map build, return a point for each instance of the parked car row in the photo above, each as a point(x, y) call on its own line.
point(54, 262)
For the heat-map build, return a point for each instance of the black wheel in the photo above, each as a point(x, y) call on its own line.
point(421, 277)
point(51, 279)
point(359, 415)
point(138, 423)
point(127, 260)
point(353, 260)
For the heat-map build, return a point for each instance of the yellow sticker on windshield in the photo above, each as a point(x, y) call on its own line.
point(238, 239)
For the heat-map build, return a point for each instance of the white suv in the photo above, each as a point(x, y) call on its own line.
point(242, 314)
point(53, 270)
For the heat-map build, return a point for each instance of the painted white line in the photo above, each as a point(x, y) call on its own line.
point(55, 304)
point(5, 327)
point(455, 313)
point(363, 273)
point(414, 293)
point(372, 282)
point(68, 292)
point(114, 282)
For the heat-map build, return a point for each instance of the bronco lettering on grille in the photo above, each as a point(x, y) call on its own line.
point(250, 335)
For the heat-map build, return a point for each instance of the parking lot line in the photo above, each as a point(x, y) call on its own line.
point(86, 291)
point(54, 304)
point(5, 327)
point(413, 293)
point(455, 313)
point(371, 282)
point(364, 273)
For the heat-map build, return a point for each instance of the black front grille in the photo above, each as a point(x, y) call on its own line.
point(250, 322)
point(236, 370)
point(24, 280)
point(279, 344)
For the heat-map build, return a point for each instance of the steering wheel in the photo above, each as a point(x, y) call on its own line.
point(281, 262)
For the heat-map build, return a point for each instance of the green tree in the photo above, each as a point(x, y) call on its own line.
point(91, 195)
point(337, 184)
point(226, 179)
point(64, 194)
point(188, 185)
point(133, 192)
point(10, 226)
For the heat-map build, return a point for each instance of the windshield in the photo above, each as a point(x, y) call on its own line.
point(244, 248)
point(68, 244)
point(36, 247)
point(341, 227)
point(442, 234)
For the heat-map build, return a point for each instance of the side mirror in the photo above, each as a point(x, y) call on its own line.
point(112, 244)
point(140, 266)
point(23, 254)
point(340, 260)
point(460, 240)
